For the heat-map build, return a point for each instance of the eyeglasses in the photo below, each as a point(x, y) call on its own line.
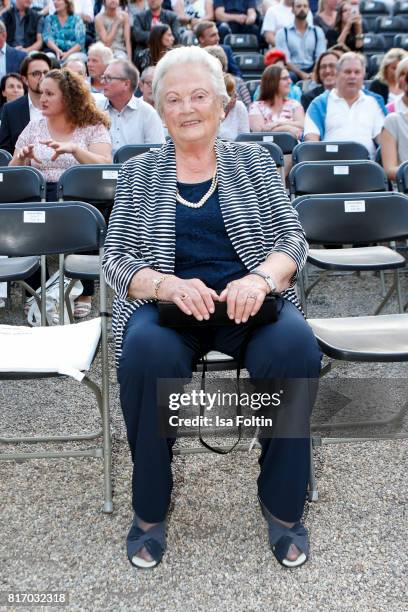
point(328, 66)
point(150, 83)
point(38, 73)
point(285, 78)
point(109, 79)
point(196, 100)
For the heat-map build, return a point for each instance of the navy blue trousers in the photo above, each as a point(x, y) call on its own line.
point(284, 349)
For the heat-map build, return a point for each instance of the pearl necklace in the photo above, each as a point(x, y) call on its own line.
point(205, 197)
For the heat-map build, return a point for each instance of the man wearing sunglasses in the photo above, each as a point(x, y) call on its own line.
point(16, 115)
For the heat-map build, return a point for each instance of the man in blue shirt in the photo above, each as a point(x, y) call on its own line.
point(236, 16)
point(301, 43)
point(207, 35)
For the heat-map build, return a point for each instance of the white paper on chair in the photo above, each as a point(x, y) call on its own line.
point(3, 286)
point(66, 349)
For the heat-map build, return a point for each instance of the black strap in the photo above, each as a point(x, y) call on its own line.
point(315, 48)
point(215, 449)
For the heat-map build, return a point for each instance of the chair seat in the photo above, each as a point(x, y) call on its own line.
point(217, 361)
point(67, 349)
point(18, 268)
point(361, 258)
point(82, 266)
point(372, 338)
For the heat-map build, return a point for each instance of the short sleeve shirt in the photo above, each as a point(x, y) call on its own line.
point(235, 6)
point(37, 131)
point(397, 125)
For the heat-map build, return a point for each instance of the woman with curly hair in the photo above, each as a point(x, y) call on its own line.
point(71, 131)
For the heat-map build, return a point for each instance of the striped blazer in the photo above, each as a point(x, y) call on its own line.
point(257, 213)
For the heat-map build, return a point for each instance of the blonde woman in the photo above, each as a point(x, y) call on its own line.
point(386, 83)
point(326, 16)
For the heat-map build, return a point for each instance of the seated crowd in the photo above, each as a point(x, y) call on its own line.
point(313, 85)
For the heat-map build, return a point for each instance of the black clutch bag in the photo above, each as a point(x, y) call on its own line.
point(170, 315)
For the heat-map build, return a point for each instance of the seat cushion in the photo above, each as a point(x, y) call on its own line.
point(371, 338)
point(360, 258)
point(18, 268)
point(82, 266)
point(65, 349)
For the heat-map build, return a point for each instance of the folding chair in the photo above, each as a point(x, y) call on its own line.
point(22, 184)
point(374, 63)
point(353, 219)
point(401, 40)
point(402, 178)
point(96, 185)
point(58, 351)
point(251, 65)
point(241, 43)
point(276, 154)
point(389, 26)
point(128, 151)
point(336, 177)
point(400, 7)
point(326, 151)
point(5, 157)
point(252, 86)
point(285, 141)
point(214, 361)
point(370, 10)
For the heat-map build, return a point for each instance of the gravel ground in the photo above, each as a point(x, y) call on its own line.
point(55, 538)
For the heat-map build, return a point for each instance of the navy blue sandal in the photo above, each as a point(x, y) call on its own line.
point(153, 540)
point(280, 539)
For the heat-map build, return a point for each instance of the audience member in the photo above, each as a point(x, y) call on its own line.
point(207, 35)
point(301, 43)
point(274, 111)
point(276, 57)
point(346, 112)
point(242, 89)
point(113, 29)
point(16, 115)
point(4, 6)
point(324, 75)
point(11, 88)
point(83, 8)
point(280, 16)
point(64, 32)
point(400, 104)
point(236, 115)
point(79, 67)
point(152, 16)
point(24, 26)
point(145, 85)
point(386, 83)
point(394, 139)
point(10, 58)
point(236, 16)
point(326, 17)
point(191, 12)
point(133, 121)
point(348, 28)
point(99, 57)
point(161, 40)
point(134, 7)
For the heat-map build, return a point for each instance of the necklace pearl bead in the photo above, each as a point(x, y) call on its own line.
point(205, 197)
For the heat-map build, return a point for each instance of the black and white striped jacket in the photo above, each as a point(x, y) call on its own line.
point(257, 214)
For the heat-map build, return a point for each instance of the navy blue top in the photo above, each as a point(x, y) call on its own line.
point(203, 248)
point(235, 6)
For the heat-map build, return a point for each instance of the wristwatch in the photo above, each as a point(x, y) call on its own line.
point(267, 278)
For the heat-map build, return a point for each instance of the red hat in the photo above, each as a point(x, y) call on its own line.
point(273, 56)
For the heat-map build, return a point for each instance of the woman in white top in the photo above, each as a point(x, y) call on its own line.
point(236, 119)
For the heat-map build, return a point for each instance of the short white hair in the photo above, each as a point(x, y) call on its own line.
point(105, 52)
point(351, 56)
point(189, 55)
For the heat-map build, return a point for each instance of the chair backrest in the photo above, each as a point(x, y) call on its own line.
point(251, 64)
point(374, 43)
point(274, 151)
point(47, 228)
point(373, 7)
point(285, 141)
point(21, 184)
point(400, 7)
point(353, 218)
point(336, 177)
point(402, 178)
point(92, 183)
point(253, 86)
point(401, 41)
point(390, 26)
point(5, 157)
point(242, 42)
point(320, 151)
point(128, 151)
point(373, 63)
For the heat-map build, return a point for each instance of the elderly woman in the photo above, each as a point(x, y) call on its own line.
point(198, 222)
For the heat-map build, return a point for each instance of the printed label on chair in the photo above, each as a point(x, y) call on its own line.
point(248, 60)
point(340, 170)
point(332, 148)
point(34, 216)
point(351, 206)
point(267, 138)
point(1, 177)
point(240, 40)
point(109, 174)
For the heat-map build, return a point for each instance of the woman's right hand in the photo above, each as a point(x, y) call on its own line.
point(192, 296)
point(26, 154)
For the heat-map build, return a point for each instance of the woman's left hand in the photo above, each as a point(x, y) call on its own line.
point(59, 147)
point(244, 297)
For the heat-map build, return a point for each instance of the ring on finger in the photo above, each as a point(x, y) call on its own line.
point(183, 296)
point(251, 296)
